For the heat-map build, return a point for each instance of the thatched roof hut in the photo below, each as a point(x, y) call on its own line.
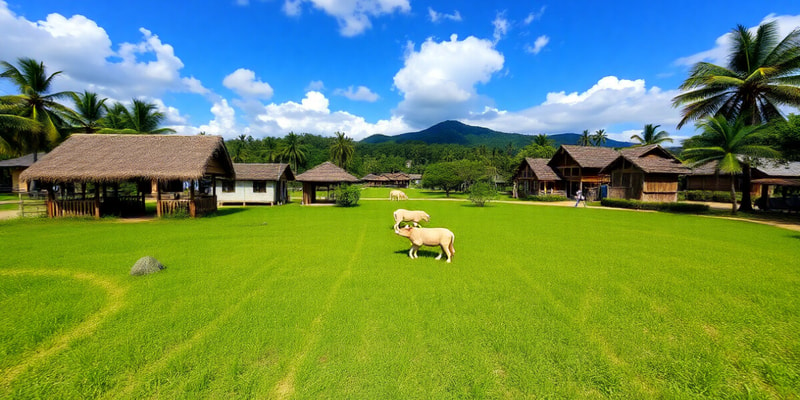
point(112, 159)
point(325, 174)
point(579, 167)
point(646, 173)
point(534, 176)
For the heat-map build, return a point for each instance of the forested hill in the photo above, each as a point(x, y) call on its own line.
point(454, 132)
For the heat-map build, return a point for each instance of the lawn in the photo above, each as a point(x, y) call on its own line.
point(323, 302)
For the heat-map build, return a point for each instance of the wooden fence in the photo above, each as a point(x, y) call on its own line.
point(32, 204)
point(193, 208)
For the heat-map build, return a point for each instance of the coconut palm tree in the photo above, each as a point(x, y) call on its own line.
point(585, 139)
point(89, 112)
point(543, 140)
point(292, 151)
point(762, 74)
point(599, 138)
point(650, 136)
point(143, 117)
point(15, 133)
point(34, 102)
point(730, 143)
point(342, 150)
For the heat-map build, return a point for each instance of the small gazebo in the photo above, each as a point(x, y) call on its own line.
point(326, 174)
point(106, 161)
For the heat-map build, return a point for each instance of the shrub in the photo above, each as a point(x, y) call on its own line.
point(347, 195)
point(547, 197)
point(708, 195)
point(482, 192)
point(656, 206)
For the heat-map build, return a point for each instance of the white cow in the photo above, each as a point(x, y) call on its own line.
point(429, 237)
point(401, 215)
point(397, 195)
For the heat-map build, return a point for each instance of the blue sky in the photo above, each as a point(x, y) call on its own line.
point(265, 68)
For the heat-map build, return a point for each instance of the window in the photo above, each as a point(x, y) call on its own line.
point(228, 186)
point(259, 186)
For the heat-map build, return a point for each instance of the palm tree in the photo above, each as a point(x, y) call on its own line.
point(115, 117)
point(342, 150)
point(89, 112)
point(34, 103)
point(15, 132)
point(585, 139)
point(649, 136)
point(599, 138)
point(143, 118)
point(761, 75)
point(543, 140)
point(292, 151)
point(726, 142)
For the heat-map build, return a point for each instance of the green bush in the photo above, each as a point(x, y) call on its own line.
point(656, 206)
point(708, 195)
point(547, 197)
point(347, 195)
point(482, 192)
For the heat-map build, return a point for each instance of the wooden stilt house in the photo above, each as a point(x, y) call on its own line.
point(326, 174)
point(646, 173)
point(102, 163)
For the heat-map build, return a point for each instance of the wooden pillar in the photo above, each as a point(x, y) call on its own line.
point(158, 198)
point(765, 196)
point(97, 200)
point(192, 205)
point(51, 202)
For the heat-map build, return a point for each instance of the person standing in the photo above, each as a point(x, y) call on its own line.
point(579, 197)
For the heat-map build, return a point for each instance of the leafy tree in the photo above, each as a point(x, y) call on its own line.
point(784, 136)
point(599, 138)
point(89, 112)
point(761, 75)
point(342, 150)
point(725, 142)
point(442, 175)
point(482, 192)
point(34, 103)
point(650, 136)
point(585, 139)
point(292, 151)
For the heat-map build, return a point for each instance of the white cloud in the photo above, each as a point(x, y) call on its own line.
point(315, 86)
point(438, 81)
point(719, 53)
point(534, 16)
point(353, 16)
point(538, 45)
point(224, 122)
point(362, 93)
point(501, 26)
point(244, 83)
point(437, 16)
point(617, 105)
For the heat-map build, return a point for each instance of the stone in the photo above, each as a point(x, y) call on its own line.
point(146, 265)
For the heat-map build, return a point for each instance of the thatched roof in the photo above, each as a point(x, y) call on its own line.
point(374, 178)
point(589, 156)
point(262, 172)
point(23, 162)
point(396, 176)
point(652, 159)
point(326, 172)
point(114, 158)
point(541, 169)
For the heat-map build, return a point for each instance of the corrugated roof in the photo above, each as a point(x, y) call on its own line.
point(782, 169)
point(326, 172)
point(542, 171)
point(113, 158)
point(262, 172)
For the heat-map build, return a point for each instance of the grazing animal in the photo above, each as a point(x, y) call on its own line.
point(397, 195)
point(429, 237)
point(401, 215)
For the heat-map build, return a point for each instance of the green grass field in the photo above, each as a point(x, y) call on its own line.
point(323, 302)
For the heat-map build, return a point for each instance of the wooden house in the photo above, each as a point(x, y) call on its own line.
point(326, 174)
point(579, 167)
point(375, 180)
point(107, 161)
point(256, 184)
point(10, 171)
point(535, 177)
point(769, 175)
point(646, 173)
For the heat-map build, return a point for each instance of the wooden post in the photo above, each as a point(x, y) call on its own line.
point(158, 199)
point(97, 200)
point(192, 206)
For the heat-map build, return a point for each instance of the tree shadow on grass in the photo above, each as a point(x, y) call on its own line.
point(221, 212)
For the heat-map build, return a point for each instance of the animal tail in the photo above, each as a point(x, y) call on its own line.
point(452, 242)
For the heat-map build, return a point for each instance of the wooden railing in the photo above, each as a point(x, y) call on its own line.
point(204, 205)
point(193, 208)
point(70, 208)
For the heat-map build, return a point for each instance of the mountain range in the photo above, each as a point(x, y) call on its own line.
point(454, 132)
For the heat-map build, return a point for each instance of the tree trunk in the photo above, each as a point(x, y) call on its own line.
point(733, 194)
point(747, 203)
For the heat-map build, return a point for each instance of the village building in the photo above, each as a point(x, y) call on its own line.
point(256, 184)
point(579, 167)
point(326, 175)
point(645, 173)
point(10, 171)
point(104, 163)
point(535, 177)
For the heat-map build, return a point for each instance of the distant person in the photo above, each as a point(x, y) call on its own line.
point(579, 197)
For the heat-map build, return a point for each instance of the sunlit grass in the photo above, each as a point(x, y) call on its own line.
point(323, 302)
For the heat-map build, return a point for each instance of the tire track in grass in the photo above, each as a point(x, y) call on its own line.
point(134, 378)
point(115, 300)
point(285, 387)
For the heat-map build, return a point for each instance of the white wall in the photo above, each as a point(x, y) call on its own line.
point(244, 193)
